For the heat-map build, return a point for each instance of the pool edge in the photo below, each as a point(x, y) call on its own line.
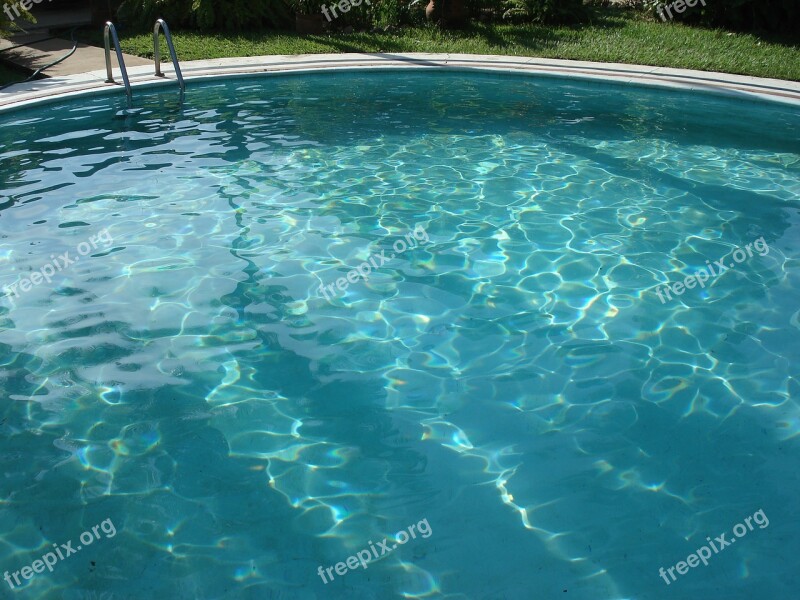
point(743, 87)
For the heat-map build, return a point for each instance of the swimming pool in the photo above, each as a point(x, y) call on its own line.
point(211, 372)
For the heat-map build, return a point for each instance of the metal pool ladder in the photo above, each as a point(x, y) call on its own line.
point(109, 75)
point(160, 24)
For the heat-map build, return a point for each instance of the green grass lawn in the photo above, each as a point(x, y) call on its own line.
point(613, 35)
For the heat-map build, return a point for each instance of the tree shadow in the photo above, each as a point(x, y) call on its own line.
point(788, 40)
point(535, 37)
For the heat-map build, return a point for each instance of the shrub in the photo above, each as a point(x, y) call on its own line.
point(545, 11)
point(742, 15)
point(397, 12)
point(208, 14)
point(9, 27)
point(381, 14)
point(769, 15)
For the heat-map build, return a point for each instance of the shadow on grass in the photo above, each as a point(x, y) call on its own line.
point(789, 40)
point(779, 39)
point(497, 38)
point(361, 42)
point(535, 36)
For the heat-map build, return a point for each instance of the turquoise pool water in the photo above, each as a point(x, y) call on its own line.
point(510, 384)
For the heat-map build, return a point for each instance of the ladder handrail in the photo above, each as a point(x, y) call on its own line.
point(109, 27)
point(160, 24)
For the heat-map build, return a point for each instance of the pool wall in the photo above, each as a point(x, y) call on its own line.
point(737, 86)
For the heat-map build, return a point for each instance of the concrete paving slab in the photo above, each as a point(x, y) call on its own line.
point(86, 58)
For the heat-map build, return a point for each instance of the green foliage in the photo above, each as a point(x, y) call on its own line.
point(770, 15)
point(225, 15)
point(383, 13)
point(544, 11)
point(8, 27)
point(309, 7)
point(741, 15)
point(231, 15)
point(396, 12)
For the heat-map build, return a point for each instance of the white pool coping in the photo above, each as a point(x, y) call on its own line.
point(737, 86)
